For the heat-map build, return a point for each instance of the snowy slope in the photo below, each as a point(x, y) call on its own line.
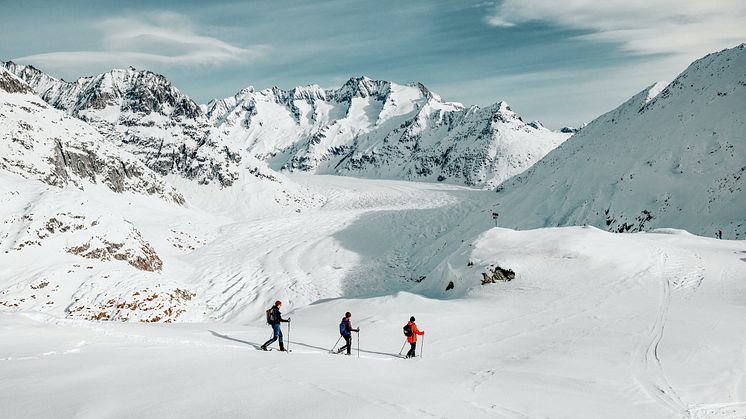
point(379, 129)
point(88, 220)
point(145, 115)
point(234, 261)
point(78, 253)
point(594, 325)
point(671, 156)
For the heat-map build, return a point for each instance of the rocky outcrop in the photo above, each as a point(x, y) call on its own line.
point(497, 274)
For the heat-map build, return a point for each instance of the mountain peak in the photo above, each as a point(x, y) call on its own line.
point(670, 156)
point(363, 87)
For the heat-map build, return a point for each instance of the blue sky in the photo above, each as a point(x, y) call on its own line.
point(563, 65)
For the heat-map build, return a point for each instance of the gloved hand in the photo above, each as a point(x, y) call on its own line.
point(288, 319)
point(423, 333)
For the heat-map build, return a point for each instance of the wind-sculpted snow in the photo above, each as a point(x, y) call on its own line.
point(672, 156)
point(378, 129)
point(145, 115)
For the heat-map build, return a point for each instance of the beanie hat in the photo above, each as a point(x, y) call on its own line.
point(411, 319)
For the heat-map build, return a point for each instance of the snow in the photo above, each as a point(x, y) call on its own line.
point(142, 113)
point(378, 129)
point(595, 324)
point(672, 156)
point(129, 292)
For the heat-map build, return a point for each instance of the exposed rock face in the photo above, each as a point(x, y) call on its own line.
point(133, 250)
point(497, 274)
point(375, 128)
point(673, 155)
point(145, 115)
point(10, 84)
point(39, 142)
point(144, 305)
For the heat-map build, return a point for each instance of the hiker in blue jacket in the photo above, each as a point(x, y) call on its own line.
point(274, 318)
point(345, 329)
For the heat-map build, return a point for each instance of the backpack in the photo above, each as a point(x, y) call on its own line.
point(270, 315)
point(342, 328)
point(407, 330)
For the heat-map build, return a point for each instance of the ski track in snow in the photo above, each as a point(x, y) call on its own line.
point(676, 276)
point(651, 375)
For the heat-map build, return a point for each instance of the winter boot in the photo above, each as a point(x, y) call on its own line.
point(264, 347)
point(282, 347)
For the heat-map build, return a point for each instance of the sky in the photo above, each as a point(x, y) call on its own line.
point(563, 63)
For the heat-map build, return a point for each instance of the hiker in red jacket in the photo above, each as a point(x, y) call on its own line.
point(412, 338)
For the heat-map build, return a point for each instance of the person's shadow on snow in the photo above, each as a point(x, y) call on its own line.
point(362, 351)
point(259, 347)
point(245, 342)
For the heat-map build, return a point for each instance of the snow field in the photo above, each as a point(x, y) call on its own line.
point(595, 324)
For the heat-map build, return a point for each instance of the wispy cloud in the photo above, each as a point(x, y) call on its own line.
point(561, 96)
point(155, 38)
point(691, 27)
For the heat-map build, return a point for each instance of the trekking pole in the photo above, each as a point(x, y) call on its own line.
point(358, 344)
point(288, 351)
point(402, 346)
point(335, 345)
point(422, 349)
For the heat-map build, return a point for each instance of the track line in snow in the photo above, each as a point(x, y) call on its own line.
point(651, 375)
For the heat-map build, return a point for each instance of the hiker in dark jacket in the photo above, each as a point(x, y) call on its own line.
point(274, 320)
point(345, 329)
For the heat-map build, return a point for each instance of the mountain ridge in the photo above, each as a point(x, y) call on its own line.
point(145, 114)
point(673, 155)
point(380, 129)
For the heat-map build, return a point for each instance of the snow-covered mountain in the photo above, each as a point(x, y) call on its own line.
point(144, 114)
point(89, 223)
point(672, 156)
point(43, 143)
point(379, 129)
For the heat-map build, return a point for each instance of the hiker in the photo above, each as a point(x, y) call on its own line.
point(412, 336)
point(345, 329)
point(274, 318)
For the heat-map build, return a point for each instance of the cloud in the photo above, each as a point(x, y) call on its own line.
point(565, 96)
point(499, 22)
point(692, 27)
point(155, 38)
